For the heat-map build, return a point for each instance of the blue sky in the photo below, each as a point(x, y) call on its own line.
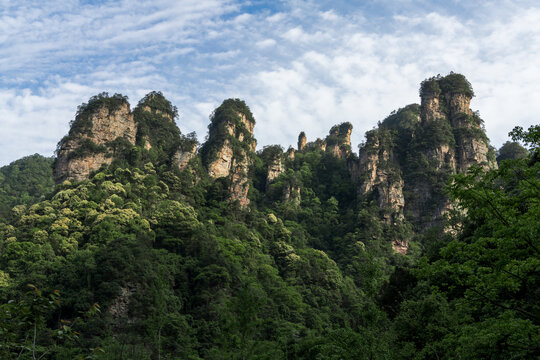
point(300, 65)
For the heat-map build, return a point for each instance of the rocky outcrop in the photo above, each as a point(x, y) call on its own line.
point(380, 175)
point(401, 246)
point(291, 193)
point(290, 153)
point(379, 178)
point(430, 107)
point(318, 144)
point(239, 180)
point(405, 164)
point(154, 110)
point(77, 169)
point(380, 181)
point(275, 168)
point(448, 99)
point(157, 129)
point(302, 141)
point(146, 143)
point(458, 104)
point(92, 137)
point(222, 165)
point(442, 156)
point(338, 142)
point(119, 308)
point(230, 146)
point(182, 157)
point(471, 151)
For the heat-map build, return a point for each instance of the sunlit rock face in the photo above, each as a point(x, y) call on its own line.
point(338, 142)
point(90, 142)
point(275, 168)
point(230, 146)
point(406, 162)
point(182, 157)
point(381, 175)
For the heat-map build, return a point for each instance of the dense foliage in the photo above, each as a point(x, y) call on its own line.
point(477, 296)
point(511, 150)
point(25, 181)
point(201, 281)
point(450, 84)
point(148, 261)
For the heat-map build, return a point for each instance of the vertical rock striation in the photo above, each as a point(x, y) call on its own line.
point(338, 142)
point(100, 128)
point(380, 177)
point(302, 141)
point(182, 157)
point(275, 168)
point(406, 162)
point(228, 153)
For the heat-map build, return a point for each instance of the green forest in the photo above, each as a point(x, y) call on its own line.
point(148, 260)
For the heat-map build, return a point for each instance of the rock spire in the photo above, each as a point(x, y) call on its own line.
point(100, 128)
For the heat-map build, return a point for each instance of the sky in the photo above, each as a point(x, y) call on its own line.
point(300, 65)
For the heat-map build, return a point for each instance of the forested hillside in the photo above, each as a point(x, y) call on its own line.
point(25, 181)
point(423, 245)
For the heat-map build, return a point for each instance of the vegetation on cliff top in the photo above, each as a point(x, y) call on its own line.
point(337, 134)
point(450, 84)
point(228, 114)
point(155, 116)
point(80, 132)
point(83, 122)
point(180, 272)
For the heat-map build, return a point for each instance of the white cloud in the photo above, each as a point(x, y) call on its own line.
point(299, 69)
point(266, 43)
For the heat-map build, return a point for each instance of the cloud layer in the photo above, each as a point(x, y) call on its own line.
point(299, 65)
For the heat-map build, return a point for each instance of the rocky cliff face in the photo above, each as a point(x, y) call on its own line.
point(318, 144)
point(380, 175)
point(431, 107)
point(230, 146)
point(182, 157)
point(302, 141)
point(290, 153)
point(407, 161)
point(90, 142)
point(275, 168)
point(151, 108)
point(157, 130)
point(402, 167)
point(338, 142)
point(448, 100)
point(105, 129)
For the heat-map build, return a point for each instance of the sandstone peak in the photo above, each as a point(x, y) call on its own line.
point(157, 130)
point(230, 146)
point(445, 96)
point(338, 142)
point(404, 164)
point(155, 102)
point(272, 156)
point(302, 141)
point(290, 153)
point(100, 127)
